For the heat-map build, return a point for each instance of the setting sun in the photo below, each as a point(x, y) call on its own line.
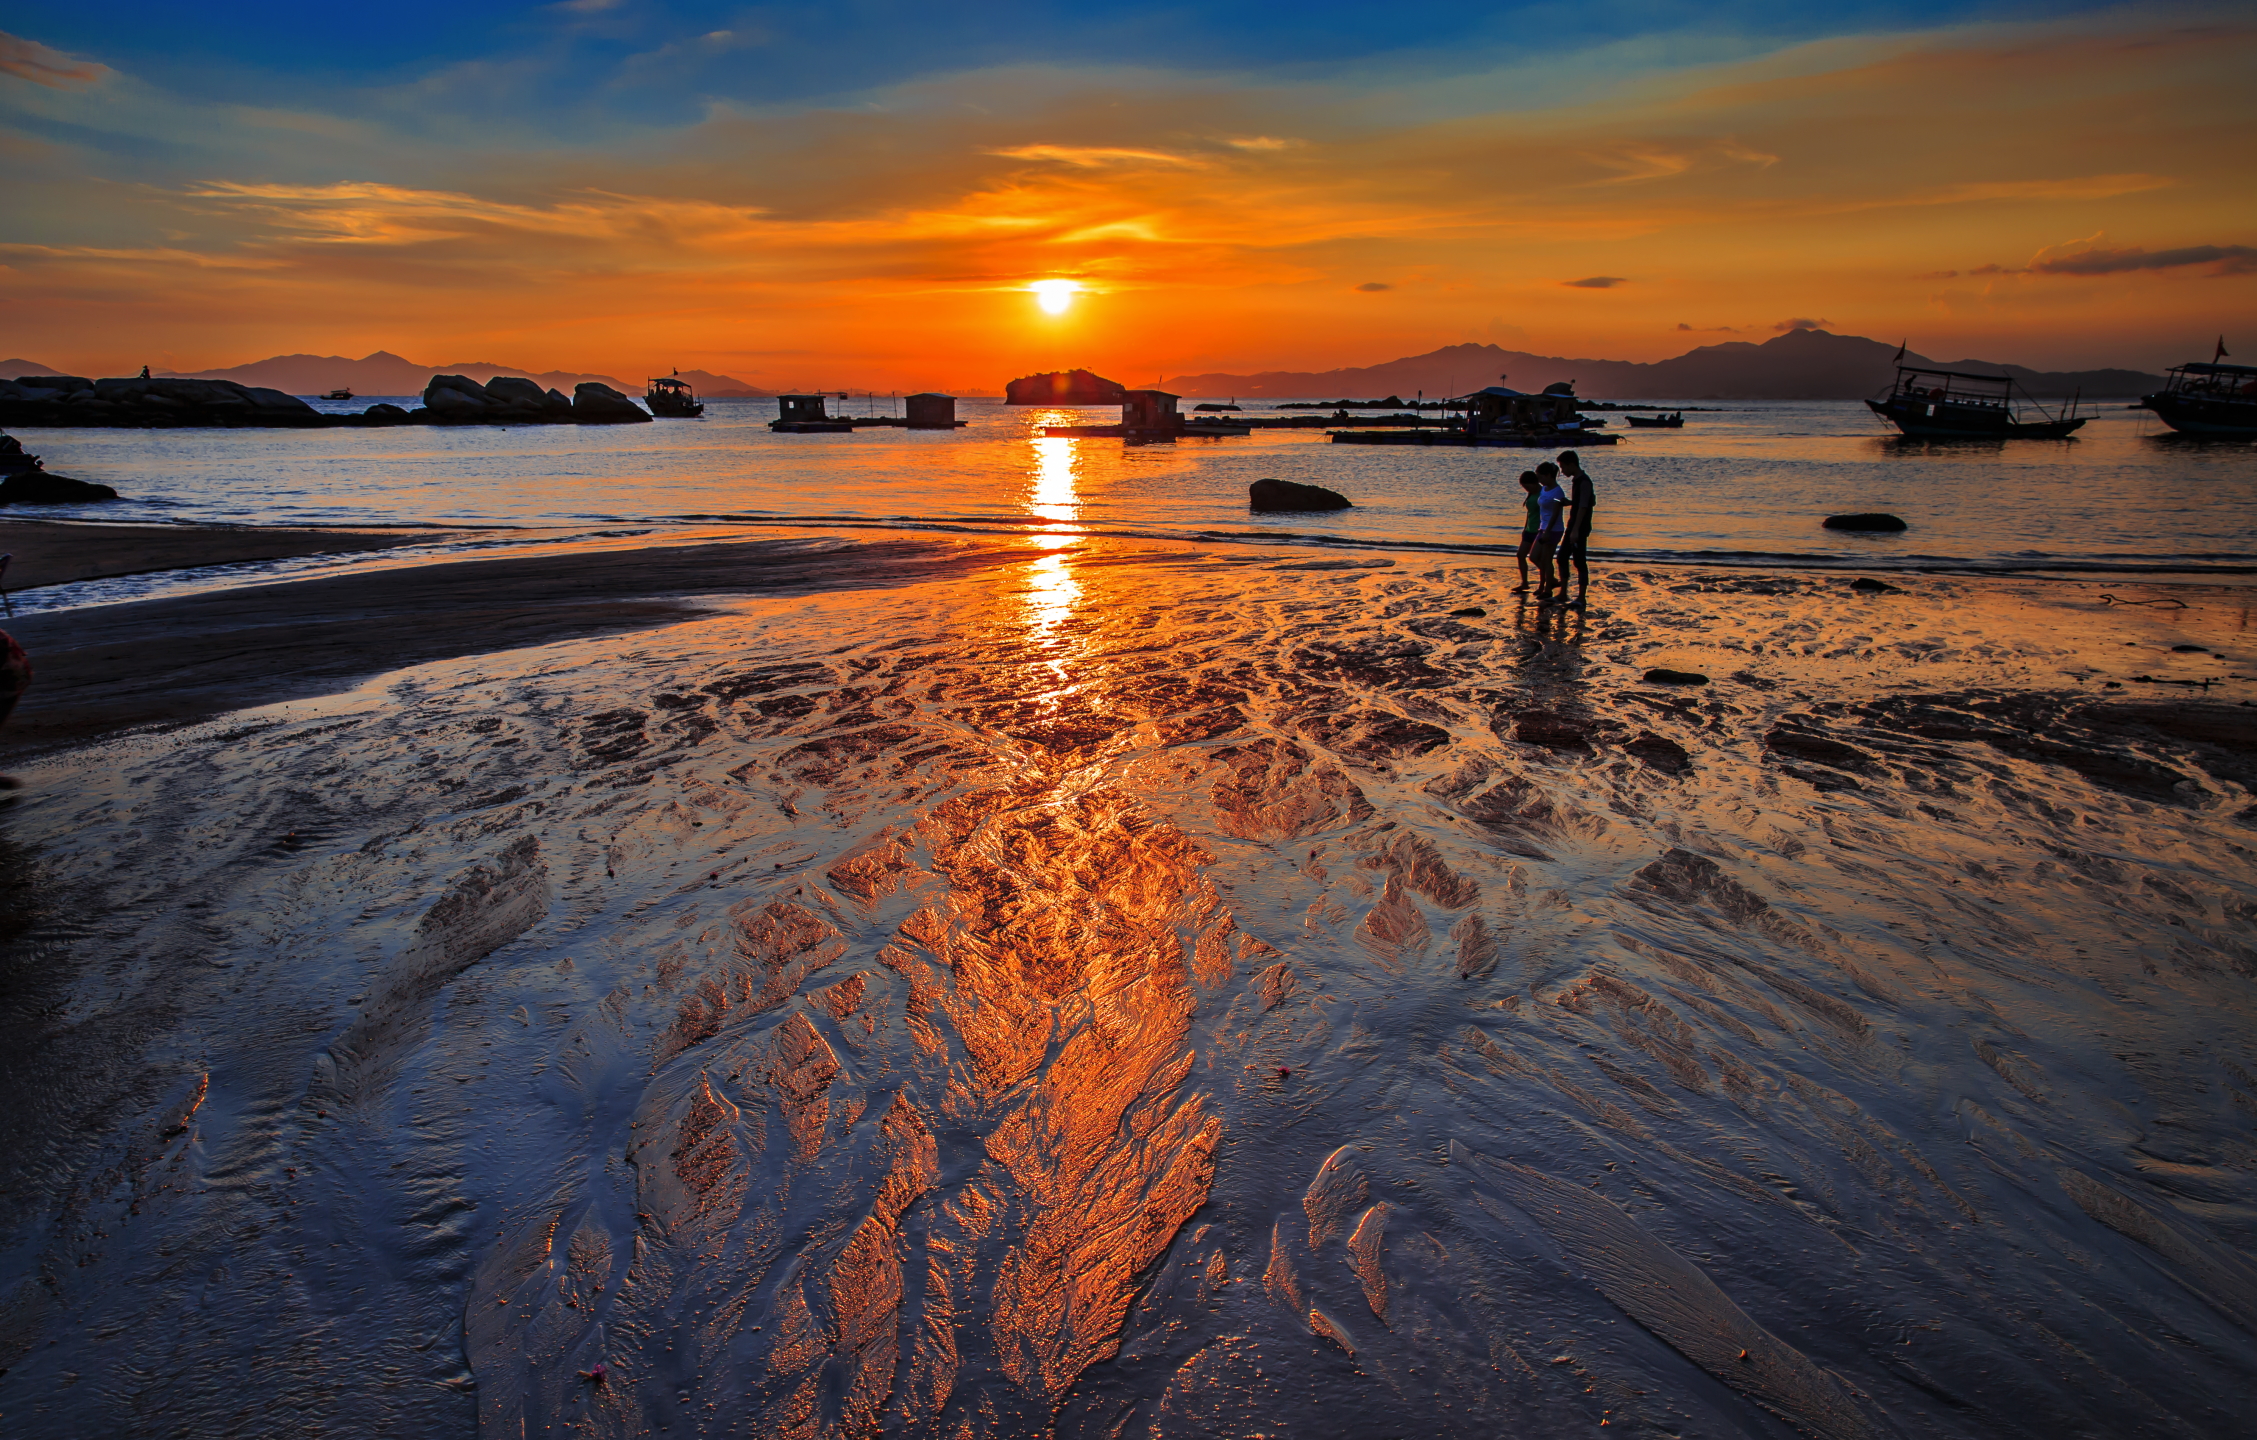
point(1054, 295)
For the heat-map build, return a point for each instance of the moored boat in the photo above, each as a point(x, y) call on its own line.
point(1675, 421)
point(342, 393)
point(670, 397)
point(1955, 405)
point(2211, 399)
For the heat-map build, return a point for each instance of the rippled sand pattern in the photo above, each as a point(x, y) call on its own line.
point(1155, 994)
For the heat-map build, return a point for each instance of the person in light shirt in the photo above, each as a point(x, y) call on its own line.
point(1550, 527)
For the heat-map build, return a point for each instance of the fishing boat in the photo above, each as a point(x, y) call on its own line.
point(1673, 421)
point(2212, 399)
point(670, 397)
point(1954, 405)
point(339, 394)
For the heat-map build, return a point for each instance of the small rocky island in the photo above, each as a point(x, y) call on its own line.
point(25, 481)
point(1063, 387)
point(72, 401)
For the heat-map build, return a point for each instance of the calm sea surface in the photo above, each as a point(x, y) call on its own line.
point(1744, 484)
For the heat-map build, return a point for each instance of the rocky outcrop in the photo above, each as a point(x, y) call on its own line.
point(24, 481)
point(148, 404)
point(1286, 495)
point(73, 401)
point(1875, 521)
point(1063, 387)
point(511, 400)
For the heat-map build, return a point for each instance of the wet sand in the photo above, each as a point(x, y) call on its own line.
point(1131, 991)
point(57, 552)
point(173, 659)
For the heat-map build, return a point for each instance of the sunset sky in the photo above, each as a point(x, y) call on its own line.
point(864, 194)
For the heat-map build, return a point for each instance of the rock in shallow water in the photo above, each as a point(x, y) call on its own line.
point(1662, 675)
point(1873, 521)
point(1287, 495)
point(37, 487)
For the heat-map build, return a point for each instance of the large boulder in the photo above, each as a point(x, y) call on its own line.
point(511, 390)
point(37, 487)
point(1286, 495)
point(599, 404)
point(66, 384)
point(1875, 522)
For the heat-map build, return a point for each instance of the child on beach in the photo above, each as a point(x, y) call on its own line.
point(1529, 525)
point(1549, 528)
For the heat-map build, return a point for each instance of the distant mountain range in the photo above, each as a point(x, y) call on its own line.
point(1799, 365)
point(384, 373)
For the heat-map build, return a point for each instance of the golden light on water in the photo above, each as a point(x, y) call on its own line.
point(1054, 295)
point(1054, 496)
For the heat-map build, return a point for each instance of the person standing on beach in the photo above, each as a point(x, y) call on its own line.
point(1549, 530)
point(1578, 535)
point(1529, 525)
point(15, 678)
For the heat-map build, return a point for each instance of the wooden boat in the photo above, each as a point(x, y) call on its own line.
point(1954, 405)
point(339, 394)
point(1673, 421)
point(670, 397)
point(2210, 399)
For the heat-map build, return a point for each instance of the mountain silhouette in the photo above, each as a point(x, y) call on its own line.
point(1803, 364)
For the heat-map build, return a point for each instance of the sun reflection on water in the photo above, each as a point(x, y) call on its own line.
point(1054, 495)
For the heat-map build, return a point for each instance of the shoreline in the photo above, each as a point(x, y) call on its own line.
point(104, 668)
point(63, 552)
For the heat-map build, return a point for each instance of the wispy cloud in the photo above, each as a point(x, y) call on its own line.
point(1785, 326)
point(1370, 287)
point(1094, 156)
point(1596, 282)
point(30, 60)
point(2223, 260)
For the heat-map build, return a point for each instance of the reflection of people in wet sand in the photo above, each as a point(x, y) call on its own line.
point(15, 678)
point(1578, 533)
point(1529, 525)
point(1549, 529)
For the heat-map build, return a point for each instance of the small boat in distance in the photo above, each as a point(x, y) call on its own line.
point(1674, 421)
point(671, 398)
point(341, 393)
point(1954, 405)
point(2210, 399)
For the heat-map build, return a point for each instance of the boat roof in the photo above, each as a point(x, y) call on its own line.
point(930, 395)
point(804, 395)
point(1501, 392)
point(668, 380)
point(1954, 374)
point(2209, 368)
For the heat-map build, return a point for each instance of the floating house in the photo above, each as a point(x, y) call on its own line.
point(804, 415)
point(931, 411)
point(1499, 415)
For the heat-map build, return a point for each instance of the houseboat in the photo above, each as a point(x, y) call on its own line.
point(670, 397)
point(1502, 416)
point(804, 415)
point(2208, 399)
point(1954, 405)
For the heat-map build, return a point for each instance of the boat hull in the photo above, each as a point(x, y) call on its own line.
point(2203, 416)
point(1946, 422)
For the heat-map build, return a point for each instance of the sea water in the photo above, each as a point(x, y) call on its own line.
point(1743, 483)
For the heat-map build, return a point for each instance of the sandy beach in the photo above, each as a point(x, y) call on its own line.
point(57, 552)
point(926, 987)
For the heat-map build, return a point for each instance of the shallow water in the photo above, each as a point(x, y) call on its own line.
point(1747, 483)
point(1161, 994)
